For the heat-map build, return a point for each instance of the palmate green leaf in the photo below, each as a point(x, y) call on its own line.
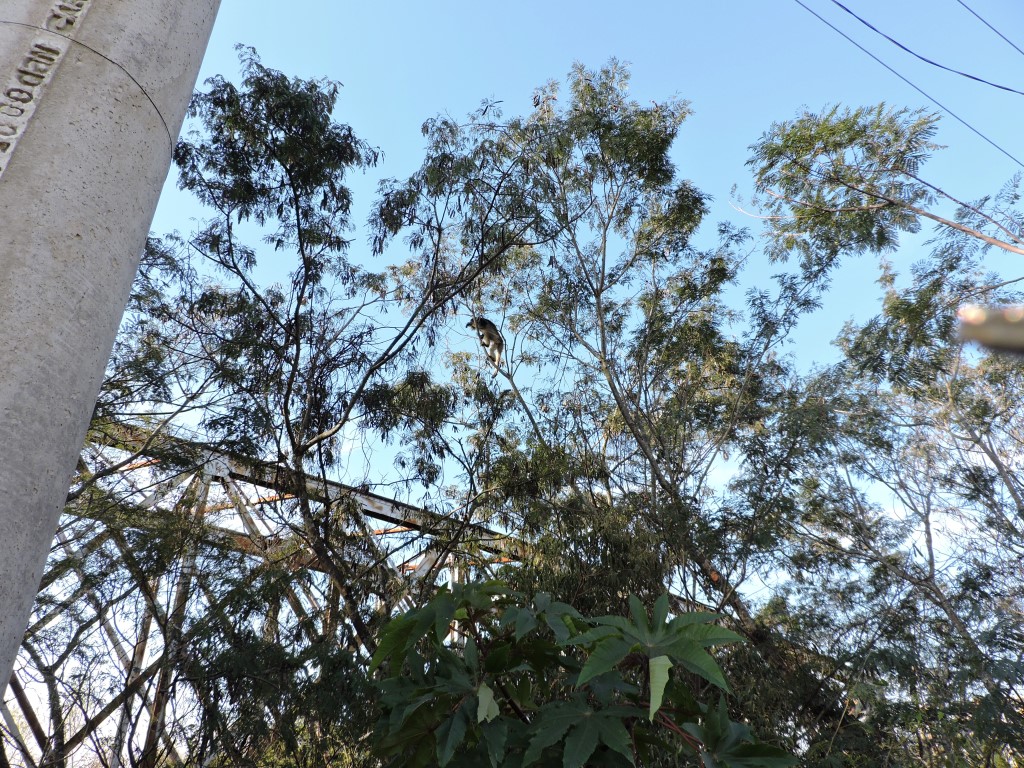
point(498, 658)
point(606, 655)
point(471, 655)
point(615, 736)
point(558, 626)
point(563, 620)
point(708, 634)
point(483, 594)
point(404, 712)
point(732, 744)
point(660, 612)
point(619, 622)
point(443, 607)
point(416, 728)
point(495, 736)
point(585, 728)
point(612, 687)
point(523, 693)
point(508, 616)
point(549, 727)
point(659, 668)
point(541, 654)
point(593, 635)
point(526, 622)
point(564, 609)
point(396, 635)
point(719, 732)
point(450, 735)
point(639, 613)
point(694, 617)
point(693, 657)
point(582, 741)
point(454, 679)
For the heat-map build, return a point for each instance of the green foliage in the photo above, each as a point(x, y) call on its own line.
point(635, 382)
point(271, 152)
point(482, 676)
point(857, 524)
point(290, 703)
point(269, 157)
point(843, 181)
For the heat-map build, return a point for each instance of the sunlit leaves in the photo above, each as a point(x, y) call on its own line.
point(272, 152)
point(843, 181)
point(538, 682)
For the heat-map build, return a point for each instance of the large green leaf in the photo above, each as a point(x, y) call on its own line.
point(694, 658)
point(450, 735)
point(619, 622)
point(594, 634)
point(550, 726)
point(412, 706)
point(639, 613)
point(394, 637)
point(660, 612)
point(560, 625)
point(495, 736)
point(486, 708)
point(615, 736)
point(606, 655)
point(471, 655)
point(659, 668)
point(694, 617)
point(444, 611)
point(526, 622)
point(498, 658)
point(709, 634)
point(582, 741)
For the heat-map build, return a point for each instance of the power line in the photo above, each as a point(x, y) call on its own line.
point(930, 98)
point(965, 5)
point(926, 60)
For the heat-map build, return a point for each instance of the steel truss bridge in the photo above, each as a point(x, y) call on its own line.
point(161, 539)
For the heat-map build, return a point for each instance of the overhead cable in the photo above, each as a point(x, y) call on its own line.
point(925, 59)
point(930, 98)
point(975, 14)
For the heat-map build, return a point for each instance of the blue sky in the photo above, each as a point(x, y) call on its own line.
point(742, 65)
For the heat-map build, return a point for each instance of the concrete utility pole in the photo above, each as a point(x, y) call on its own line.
point(92, 96)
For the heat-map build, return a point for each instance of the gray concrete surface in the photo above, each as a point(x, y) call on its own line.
point(92, 96)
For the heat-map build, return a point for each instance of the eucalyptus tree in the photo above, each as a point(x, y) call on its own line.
point(904, 560)
point(633, 386)
point(284, 372)
point(646, 431)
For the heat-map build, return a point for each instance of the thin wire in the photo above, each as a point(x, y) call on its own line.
point(926, 60)
point(965, 5)
point(941, 106)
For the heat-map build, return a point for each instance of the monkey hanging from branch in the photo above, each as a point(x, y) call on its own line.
point(490, 338)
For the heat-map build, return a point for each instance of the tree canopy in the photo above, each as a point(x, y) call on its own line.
point(722, 553)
